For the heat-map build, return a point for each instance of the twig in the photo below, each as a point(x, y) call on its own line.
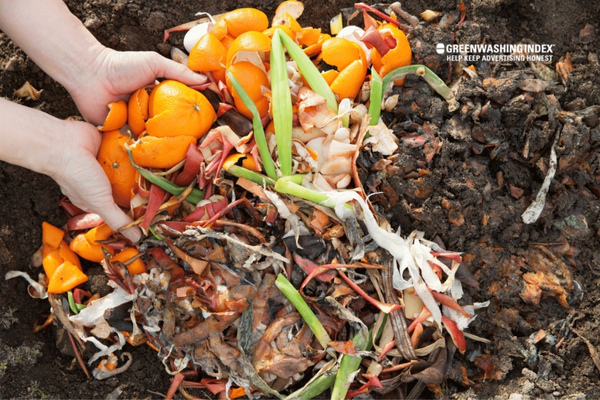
point(78, 354)
point(397, 318)
point(590, 346)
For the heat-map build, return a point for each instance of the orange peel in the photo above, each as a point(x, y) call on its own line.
point(135, 267)
point(176, 109)
point(51, 235)
point(248, 42)
point(397, 57)
point(116, 117)
point(114, 161)
point(288, 20)
point(293, 8)
point(330, 76)
point(271, 31)
point(314, 49)
point(54, 257)
point(348, 82)
point(85, 244)
point(160, 152)
point(208, 54)
point(341, 52)
point(66, 277)
point(350, 60)
point(137, 111)
point(240, 20)
point(254, 80)
point(309, 36)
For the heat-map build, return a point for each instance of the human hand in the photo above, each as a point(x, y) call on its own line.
point(114, 75)
point(82, 179)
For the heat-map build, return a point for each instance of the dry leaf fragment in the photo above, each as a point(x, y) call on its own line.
point(28, 92)
point(564, 68)
point(534, 85)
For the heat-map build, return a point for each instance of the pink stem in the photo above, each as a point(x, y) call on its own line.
point(384, 307)
point(383, 16)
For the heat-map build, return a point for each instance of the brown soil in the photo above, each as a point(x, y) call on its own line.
point(483, 174)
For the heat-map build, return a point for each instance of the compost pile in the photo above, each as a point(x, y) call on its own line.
point(265, 270)
point(284, 273)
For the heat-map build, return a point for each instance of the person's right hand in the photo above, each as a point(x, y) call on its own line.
point(115, 75)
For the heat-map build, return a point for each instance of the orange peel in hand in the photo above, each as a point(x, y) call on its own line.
point(114, 160)
point(160, 152)
point(137, 111)
point(176, 109)
point(116, 118)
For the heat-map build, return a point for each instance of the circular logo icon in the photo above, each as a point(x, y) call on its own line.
point(440, 48)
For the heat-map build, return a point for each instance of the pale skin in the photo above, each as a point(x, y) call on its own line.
point(94, 76)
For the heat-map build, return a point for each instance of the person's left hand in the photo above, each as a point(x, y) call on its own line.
point(115, 75)
point(80, 176)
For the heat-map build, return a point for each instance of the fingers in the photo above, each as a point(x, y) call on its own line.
point(110, 213)
point(116, 219)
point(173, 70)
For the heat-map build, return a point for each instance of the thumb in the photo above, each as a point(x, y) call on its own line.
point(173, 70)
point(116, 219)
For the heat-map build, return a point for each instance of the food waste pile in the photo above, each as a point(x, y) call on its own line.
point(264, 268)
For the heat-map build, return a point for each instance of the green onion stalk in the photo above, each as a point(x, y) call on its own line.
point(282, 104)
point(310, 72)
point(259, 132)
point(195, 196)
point(430, 77)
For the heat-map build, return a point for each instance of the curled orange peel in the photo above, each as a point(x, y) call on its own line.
point(398, 56)
point(137, 111)
point(251, 46)
point(160, 152)
point(208, 55)
point(240, 20)
point(116, 118)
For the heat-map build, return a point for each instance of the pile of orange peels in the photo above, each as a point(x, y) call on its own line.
point(264, 270)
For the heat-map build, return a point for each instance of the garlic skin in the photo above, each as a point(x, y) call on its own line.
point(429, 15)
point(193, 35)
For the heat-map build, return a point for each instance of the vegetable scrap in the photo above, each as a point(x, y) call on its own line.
point(264, 269)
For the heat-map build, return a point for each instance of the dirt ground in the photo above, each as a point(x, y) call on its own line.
point(467, 187)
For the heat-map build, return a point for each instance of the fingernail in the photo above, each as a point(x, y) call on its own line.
point(134, 234)
point(200, 78)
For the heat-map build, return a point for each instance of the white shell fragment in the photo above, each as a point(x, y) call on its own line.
point(535, 209)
